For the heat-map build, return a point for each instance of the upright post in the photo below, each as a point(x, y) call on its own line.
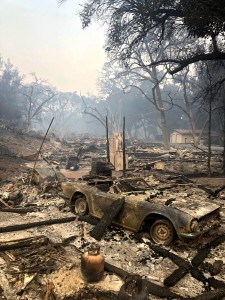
point(124, 147)
point(39, 151)
point(107, 138)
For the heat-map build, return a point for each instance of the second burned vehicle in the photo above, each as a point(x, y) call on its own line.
point(165, 213)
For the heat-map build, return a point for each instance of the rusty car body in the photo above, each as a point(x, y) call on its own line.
point(164, 220)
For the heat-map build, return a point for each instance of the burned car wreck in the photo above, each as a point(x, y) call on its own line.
point(163, 217)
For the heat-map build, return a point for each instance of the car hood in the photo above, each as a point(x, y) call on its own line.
point(195, 206)
point(196, 210)
point(191, 201)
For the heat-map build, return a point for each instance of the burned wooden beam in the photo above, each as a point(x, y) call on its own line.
point(216, 242)
point(18, 210)
point(196, 273)
point(16, 244)
point(175, 276)
point(153, 288)
point(200, 256)
point(36, 224)
point(197, 260)
point(204, 251)
point(216, 294)
point(215, 283)
point(107, 219)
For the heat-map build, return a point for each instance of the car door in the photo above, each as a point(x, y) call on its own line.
point(101, 202)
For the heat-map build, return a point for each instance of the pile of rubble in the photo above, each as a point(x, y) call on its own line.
point(42, 241)
point(47, 265)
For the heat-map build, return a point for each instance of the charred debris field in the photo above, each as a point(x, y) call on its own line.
point(43, 237)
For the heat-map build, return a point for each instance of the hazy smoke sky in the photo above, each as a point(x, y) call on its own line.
point(42, 37)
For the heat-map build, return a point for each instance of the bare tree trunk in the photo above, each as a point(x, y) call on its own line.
point(223, 136)
point(164, 130)
point(189, 112)
point(158, 102)
point(144, 128)
point(160, 107)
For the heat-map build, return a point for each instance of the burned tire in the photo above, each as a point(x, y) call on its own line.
point(162, 232)
point(81, 207)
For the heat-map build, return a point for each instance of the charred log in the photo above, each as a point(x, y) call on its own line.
point(153, 288)
point(216, 294)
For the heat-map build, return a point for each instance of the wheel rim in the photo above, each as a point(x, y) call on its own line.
point(162, 232)
point(81, 207)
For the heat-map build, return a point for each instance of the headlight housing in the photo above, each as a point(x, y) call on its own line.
point(194, 225)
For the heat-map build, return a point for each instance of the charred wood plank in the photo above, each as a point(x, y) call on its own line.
point(215, 283)
point(66, 241)
point(36, 224)
point(153, 288)
point(200, 256)
point(216, 242)
point(107, 219)
point(166, 253)
point(204, 252)
point(21, 243)
point(18, 210)
point(216, 294)
point(175, 276)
